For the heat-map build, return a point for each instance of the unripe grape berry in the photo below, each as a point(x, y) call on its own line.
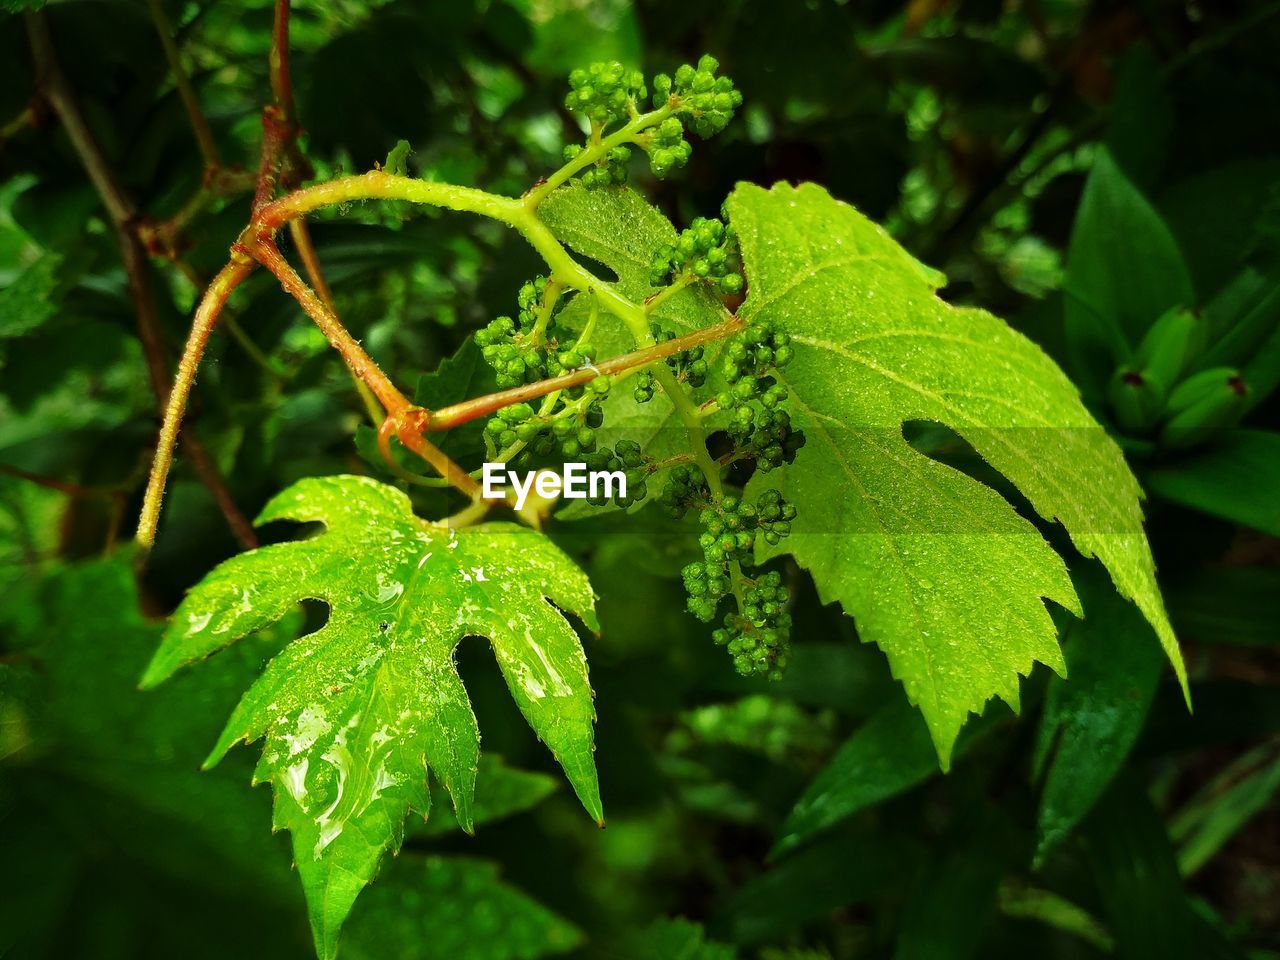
point(604, 92)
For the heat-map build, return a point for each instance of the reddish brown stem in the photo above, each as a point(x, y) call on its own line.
point(301, 237)
point(361, 364)
point(277, 132)
point(409, 420)
point(281, 80)
point(447, 418)
point(191, 103)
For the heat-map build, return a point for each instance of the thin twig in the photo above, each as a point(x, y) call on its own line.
point(199, 123)
point(26, 118)
point(75, 490)
point(278, 60)
point(123, 215)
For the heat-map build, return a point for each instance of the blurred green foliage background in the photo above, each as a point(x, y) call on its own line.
point(802, 820)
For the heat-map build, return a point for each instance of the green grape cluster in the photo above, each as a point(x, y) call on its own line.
point(518, 356)
point(645, 387)
point(514, 361)
point(608, 171)
point(628, 457)
point(759, 638)
point(705, 100)
point(685, 487)
point(608, 94)
point(689, 366)
point(705, 251)
point(569, 430)
point(508, 345)
point(729, 531)
point(667, 147)
point(775, 515)
point(530, 300)
point(757, 634)
point(760, 428)
point(604, 93)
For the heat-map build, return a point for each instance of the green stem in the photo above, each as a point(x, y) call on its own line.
point(597, 147)
point(661, 297)
point(549, 298)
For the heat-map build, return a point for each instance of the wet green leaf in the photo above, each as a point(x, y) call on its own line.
point(355, 713)
point(886, 756)
point(937, 569)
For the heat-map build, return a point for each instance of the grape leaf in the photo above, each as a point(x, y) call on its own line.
point(355, 713)
point(937, 569)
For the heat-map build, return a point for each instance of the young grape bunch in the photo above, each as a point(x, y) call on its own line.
point(759, 426)
point(707, 250)
point(610, 97)
point(757, 632)
point(528, 349)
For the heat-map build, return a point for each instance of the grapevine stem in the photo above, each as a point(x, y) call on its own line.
point(311, 264)
point(361, 364)
point(378, 184)
point(211, 304)
point(278, 59)
point(257, 241)
point(549, 297)
point(447, 418)
point(409, 420)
